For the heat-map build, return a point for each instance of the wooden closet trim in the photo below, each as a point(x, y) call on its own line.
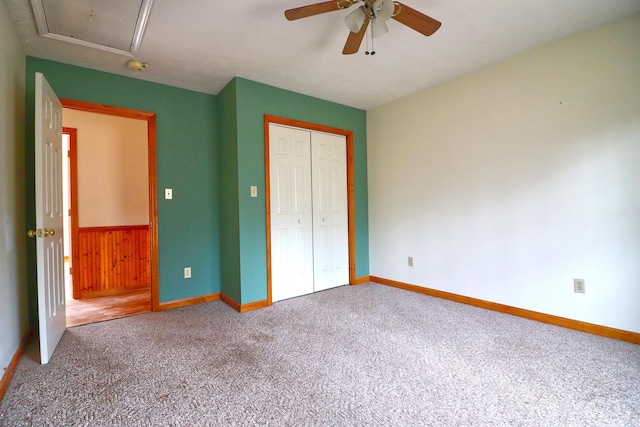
point(276, 120)
point(150, 118)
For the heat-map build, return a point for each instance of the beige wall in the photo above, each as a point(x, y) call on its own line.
point(14, 317)
point(508, 183)
point(112, 169)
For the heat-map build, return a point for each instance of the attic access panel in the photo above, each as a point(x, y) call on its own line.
point(113, 25)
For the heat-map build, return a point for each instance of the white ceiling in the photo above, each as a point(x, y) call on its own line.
point(202, 44)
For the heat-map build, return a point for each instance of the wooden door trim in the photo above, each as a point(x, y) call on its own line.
point(150, 118)
point(276, 120)
point(153, 212)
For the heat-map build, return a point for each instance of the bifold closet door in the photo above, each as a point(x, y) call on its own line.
point(291, 212)
point(309, 217)
point(330, 216)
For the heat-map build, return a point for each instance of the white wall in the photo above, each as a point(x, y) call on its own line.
point(113, 177)
point(14, 321)
point(508, 183)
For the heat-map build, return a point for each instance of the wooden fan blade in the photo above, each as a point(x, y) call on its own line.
point(416, 20)
point(355, 40)
point(315, 9)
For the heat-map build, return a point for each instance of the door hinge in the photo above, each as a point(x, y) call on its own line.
point(68, 153)
point(69, 212)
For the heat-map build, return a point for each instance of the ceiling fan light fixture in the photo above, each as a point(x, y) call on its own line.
point(378, 28)
point(374, 12)
point(355, 19)
point(383, 9)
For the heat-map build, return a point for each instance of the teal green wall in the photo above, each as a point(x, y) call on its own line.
point(210, 150)
point(253, 101)
point(228, 190)
point(187, 162)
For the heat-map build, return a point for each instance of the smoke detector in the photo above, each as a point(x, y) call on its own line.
point(136, 65)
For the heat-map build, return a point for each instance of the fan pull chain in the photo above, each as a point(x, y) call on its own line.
point(366, 52)
point(373, 50)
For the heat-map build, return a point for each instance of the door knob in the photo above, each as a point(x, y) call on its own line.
point(35, 233)
point(41, 233)
point(299, 221)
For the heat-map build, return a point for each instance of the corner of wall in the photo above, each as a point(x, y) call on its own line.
point(228, 191)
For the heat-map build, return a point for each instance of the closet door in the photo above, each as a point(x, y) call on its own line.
point(330, 216)
point(291, 212)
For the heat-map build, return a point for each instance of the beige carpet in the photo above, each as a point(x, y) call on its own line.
point(354, 356)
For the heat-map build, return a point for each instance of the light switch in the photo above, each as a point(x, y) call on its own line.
point(168, 193)
point(254, 191)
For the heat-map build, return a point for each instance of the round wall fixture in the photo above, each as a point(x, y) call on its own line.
point(136, 65)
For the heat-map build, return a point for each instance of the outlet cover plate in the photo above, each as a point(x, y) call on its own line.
point(187, 272)
point(578, 286)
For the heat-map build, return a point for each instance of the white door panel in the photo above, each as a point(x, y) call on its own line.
point(330, 216)
point(291, 213)
point(49, 231)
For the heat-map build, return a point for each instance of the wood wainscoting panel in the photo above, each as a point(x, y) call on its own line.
point(112, 260)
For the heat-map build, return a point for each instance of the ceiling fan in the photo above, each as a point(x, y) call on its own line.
point(374, 12)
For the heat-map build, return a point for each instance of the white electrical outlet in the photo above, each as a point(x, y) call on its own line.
point(168, 193)
point(410, 261)
point(578, 286)
point(187, 272)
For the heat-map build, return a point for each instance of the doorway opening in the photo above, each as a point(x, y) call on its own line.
point(112, 224)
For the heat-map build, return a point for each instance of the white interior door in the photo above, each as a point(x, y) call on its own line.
point(49, 231)
point(330, 216)
point(291, 213)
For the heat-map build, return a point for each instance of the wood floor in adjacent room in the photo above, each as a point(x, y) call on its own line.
point(91, 310)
